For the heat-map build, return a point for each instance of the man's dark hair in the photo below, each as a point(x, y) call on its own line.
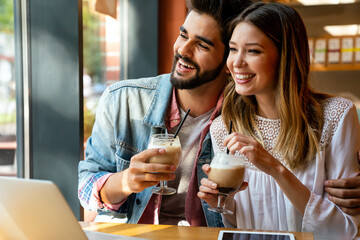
point(223, 11)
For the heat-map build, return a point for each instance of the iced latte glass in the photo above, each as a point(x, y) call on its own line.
point(227, 171)
point(171, 157)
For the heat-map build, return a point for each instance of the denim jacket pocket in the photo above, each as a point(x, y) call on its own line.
point(121, 163)
point(124, 153)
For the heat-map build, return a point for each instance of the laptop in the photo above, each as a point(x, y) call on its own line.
point(37, 210)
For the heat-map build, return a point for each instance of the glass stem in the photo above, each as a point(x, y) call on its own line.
point(162, 184)
point(221, 200)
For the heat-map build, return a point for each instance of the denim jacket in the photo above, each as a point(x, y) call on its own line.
point(128, 113)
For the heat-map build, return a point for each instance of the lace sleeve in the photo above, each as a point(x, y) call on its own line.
point(218, 133)
point(334, 109)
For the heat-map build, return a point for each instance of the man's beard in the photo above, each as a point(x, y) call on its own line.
point(198, 79)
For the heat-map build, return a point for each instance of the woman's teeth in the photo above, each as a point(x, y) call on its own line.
point(244, 76)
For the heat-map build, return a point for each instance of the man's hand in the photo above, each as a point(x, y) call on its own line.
point(140, 175)
point(345, 193)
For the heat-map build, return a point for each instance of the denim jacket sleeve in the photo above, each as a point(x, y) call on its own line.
point(128, 113)
point(99, 153)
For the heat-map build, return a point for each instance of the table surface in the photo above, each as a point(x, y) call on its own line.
point(169, 232)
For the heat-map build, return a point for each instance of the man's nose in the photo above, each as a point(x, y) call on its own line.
point(186, 50)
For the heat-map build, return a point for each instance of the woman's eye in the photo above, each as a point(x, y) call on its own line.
point(254, 51)
point(232, 49)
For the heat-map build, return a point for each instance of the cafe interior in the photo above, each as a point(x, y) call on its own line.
point(57, 58)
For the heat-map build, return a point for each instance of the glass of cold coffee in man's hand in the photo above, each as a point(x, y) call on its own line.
point(227, 171)
point(172, 146)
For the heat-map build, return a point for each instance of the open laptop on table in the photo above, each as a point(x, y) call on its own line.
point(36, 210)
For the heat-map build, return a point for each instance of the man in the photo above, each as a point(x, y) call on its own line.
point(345, 193)
point(116, 174)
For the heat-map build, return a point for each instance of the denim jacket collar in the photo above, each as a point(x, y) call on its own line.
point(155, 114)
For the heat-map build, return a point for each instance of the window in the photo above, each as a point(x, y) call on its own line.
point(101, 47)
point(7, 90)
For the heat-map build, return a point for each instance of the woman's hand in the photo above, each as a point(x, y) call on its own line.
point(296, 192)
point(253, 150)
point(208, 190)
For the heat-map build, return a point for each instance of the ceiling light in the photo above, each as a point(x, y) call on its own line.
point(324, 2)
point(343, 30)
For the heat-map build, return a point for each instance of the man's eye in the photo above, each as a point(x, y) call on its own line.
point(183, 35)
point(203, 46)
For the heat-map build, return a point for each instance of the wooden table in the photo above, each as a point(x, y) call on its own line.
point(167, 232)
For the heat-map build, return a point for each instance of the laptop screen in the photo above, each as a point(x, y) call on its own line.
point(35, 209)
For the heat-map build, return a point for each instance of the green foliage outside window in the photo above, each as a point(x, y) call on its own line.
point(6, 16)
point(93, 61)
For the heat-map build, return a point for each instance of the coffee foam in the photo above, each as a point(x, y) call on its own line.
point(164, 145)
point(227, 161)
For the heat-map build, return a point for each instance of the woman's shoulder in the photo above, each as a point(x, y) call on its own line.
point(218, 132)
point(335, 107)
point(218, 124)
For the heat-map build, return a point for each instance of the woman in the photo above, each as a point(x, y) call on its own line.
point(293, 137)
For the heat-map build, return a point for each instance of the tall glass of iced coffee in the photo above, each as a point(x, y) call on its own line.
point(227, 171)
point(171, 157)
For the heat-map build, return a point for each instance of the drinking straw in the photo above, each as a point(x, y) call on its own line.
point(230, 128)
point(181, 123)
